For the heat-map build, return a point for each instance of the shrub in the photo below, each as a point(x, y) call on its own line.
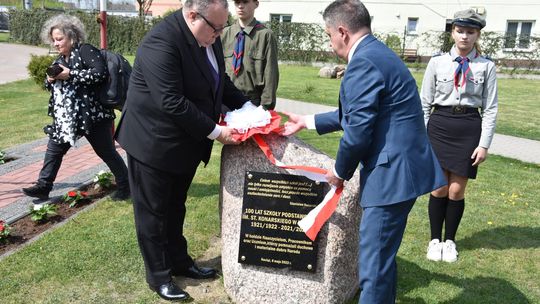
point(5, 230)
point(445, 41)
point(42, 214)
point(2, 157)
point(393, 42)
point(37, 67)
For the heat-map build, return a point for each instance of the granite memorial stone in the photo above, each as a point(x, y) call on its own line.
point(334, 278)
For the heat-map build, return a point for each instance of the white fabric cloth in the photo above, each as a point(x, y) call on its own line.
point(248, 116)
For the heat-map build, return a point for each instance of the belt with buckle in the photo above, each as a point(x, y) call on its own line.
point(456, 109)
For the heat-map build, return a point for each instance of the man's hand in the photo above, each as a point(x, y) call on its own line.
point(225, 136)
point(479, 155)
point(294, 124)
point(333, 179)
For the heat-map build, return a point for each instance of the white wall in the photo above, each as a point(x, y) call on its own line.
point(392, 16)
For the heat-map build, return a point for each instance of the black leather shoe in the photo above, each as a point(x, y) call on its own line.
point(198, 273)
point(171, 292)
point(40, 191)
point(121, 195)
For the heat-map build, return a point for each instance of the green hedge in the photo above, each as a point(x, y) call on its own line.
point(296, 41)
point(25, 25)
point(123, 33)
point(302, 42)
point(305, 42)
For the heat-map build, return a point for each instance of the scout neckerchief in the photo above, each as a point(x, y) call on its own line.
point(238, 52)
point(462, 70)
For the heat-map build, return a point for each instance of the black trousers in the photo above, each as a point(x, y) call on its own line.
point(159, 206)
point(100, 138)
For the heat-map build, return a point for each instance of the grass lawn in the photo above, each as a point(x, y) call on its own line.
point(518, 98)
point(24, 112)
point(94, 258)
point(4, 37)
point(498, 239)
point(517, 102)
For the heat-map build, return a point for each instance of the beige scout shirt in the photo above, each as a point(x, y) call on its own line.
point(480, 90)
point(259, 75)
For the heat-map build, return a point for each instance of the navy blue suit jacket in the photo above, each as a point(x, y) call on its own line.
point(381, 116)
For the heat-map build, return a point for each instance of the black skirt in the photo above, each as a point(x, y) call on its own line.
point(454, 136)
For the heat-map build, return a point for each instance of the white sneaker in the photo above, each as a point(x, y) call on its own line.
point(449, 252)
point(434, 250)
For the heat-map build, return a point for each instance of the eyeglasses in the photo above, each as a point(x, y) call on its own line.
point(216, 30)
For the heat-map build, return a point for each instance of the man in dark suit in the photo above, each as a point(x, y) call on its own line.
point(176, 91)
point(383, 130)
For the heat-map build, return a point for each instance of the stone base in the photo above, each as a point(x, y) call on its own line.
point(336, 277)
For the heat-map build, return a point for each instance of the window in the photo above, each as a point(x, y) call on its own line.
point(411, 26)
point(448, 26)
point(518, 34)
point(280, 18)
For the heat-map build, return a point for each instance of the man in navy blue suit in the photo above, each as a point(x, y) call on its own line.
point(383, 130)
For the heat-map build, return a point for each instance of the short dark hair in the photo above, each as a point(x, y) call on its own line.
point(202, 5)
point(351, 13)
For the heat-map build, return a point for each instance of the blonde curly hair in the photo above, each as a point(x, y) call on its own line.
point(70, 26)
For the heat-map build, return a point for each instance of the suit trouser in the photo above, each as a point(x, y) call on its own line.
point(381, 232)
point(100, 138)
point(159, 206)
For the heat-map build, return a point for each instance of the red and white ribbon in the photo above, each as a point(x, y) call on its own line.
point(315, 219)
point(312, 223)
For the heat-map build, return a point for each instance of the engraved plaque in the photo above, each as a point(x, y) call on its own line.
point(272, 206)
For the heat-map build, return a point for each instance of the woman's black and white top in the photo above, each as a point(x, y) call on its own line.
point(74, 103)
point(450, 80)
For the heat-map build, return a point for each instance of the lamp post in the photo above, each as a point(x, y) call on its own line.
point(103, 22)
point(102, 19)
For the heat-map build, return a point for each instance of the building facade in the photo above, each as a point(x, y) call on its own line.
point(411, 20)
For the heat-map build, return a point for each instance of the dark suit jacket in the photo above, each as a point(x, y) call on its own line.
point(381, 116)
point(171, 105)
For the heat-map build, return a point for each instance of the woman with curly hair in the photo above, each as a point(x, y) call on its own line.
point(74, 81)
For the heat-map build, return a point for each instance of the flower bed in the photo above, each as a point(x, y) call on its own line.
point(25, 228)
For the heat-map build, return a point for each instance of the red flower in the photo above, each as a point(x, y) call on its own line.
point(84, 194)
point(72, 193)
point(2, 226)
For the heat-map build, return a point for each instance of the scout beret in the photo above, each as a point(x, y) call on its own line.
point(469, 18)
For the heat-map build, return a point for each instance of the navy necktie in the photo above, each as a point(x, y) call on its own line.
point(213, 71)
point(462, 69)
point(238, 52)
